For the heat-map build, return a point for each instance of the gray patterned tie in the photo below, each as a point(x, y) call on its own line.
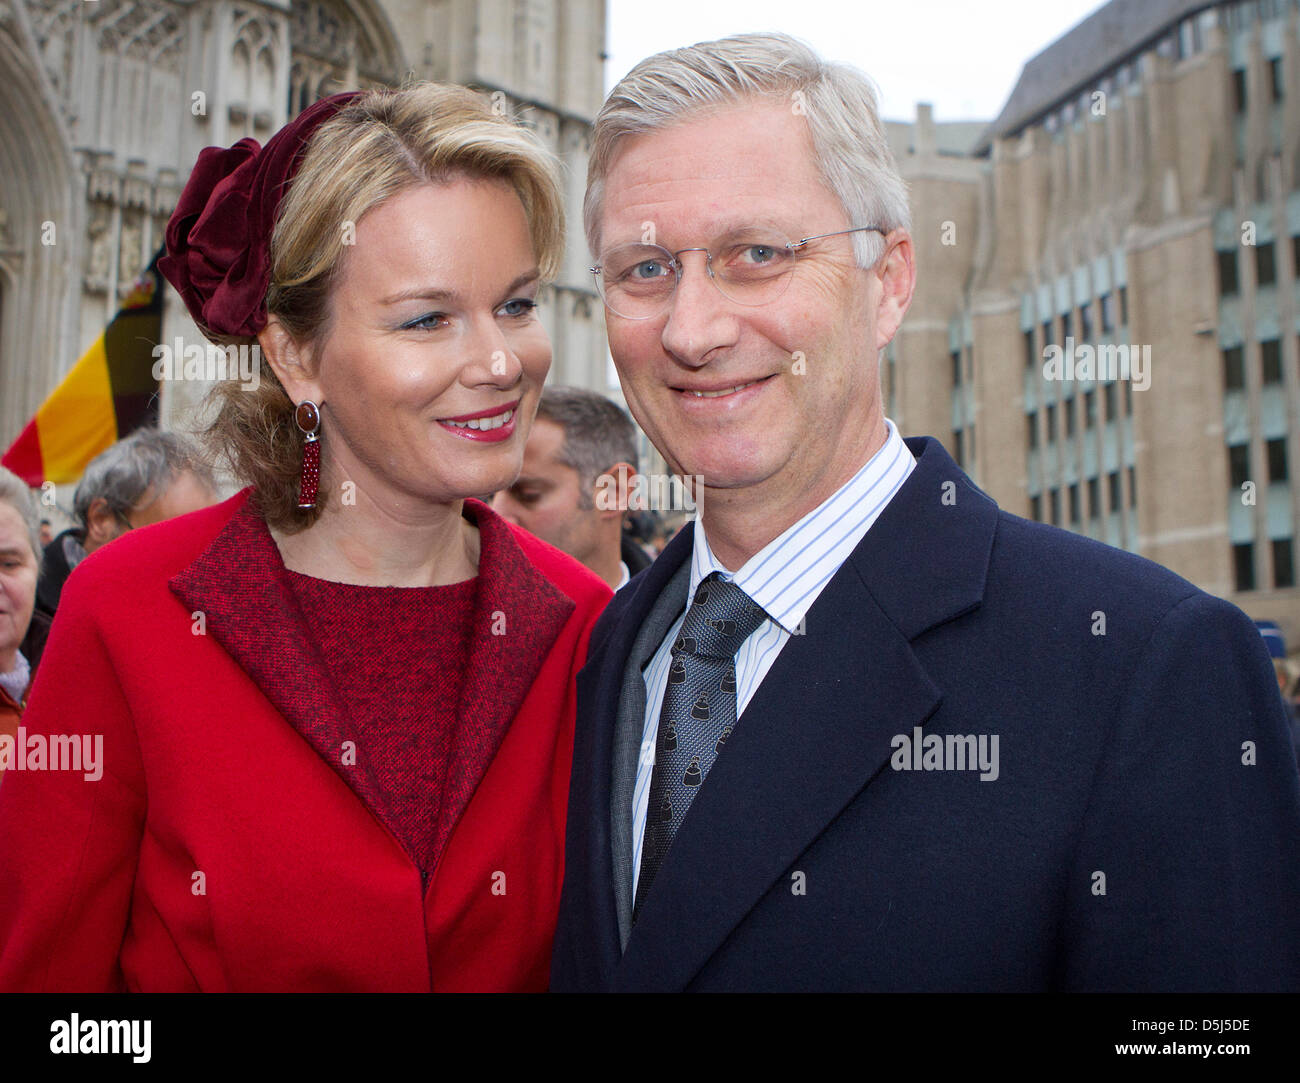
point(698, 714)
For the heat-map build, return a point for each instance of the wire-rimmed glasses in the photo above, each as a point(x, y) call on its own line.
point(750, 267)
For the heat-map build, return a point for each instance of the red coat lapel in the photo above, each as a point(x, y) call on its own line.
point(240, 585)
point(518, 614)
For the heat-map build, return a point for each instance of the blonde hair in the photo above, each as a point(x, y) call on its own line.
point(381, 143)
point(852, 152)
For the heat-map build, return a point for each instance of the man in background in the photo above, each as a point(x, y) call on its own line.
point(572, 489)
point(145, 478)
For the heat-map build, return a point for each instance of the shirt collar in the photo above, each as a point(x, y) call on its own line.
point(755, 577)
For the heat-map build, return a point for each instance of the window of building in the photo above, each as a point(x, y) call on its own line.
point(1107, 303)
point(1239, 464)
point(1068, 408)
point(1275, 78)
point(1051, 422)
point(1090, 409)
point(970, 444)
point(1085, 321)
point(1265, 265)
point(1036, 508)
point(1123, 306)
point(1295, 254)
point(1031, 357)
point(956, 367)
point(1283, 563)
point(1075, 517)
point(1239, 89)
point(1234, 369)
point(958, 451)
point(1243, 561)
point(1270, 356)
point(1132, 487)
point(1276, 459)
point(1111, 410)
point(1047, 334)
point(1228, 282)
point(1054, 502)
point(1031, 430)
point(1112, 483)
point(1067, 325)
point(1128, 398)
point(1094, 498)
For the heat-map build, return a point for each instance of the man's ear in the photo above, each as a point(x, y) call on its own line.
point(897, 273)
point(612, 489)
point(102, 526)
point(291, 361)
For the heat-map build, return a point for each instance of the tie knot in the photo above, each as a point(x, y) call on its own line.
point(720, 618)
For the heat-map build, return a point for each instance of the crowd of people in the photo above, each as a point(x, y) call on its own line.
point(420, 708)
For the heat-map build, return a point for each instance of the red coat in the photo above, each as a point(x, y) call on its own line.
point(220, 851)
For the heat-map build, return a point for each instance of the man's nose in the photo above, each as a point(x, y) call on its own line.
point(698, 316)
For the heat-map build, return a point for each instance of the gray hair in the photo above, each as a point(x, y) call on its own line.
point(853, 155)
point(148, 459)
point(15, 493)
point(597, 434)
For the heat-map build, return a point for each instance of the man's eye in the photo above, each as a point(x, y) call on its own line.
point(758, 253)
point(650, 268)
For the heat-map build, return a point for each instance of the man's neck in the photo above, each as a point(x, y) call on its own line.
point(741, 522)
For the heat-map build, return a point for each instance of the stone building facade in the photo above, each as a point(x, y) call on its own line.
point(1140, 189)
point(105, 104)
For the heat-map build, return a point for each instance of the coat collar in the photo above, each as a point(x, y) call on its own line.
point(805, 748)
point(240, 586)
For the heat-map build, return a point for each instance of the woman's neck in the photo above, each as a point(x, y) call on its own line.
point(420, 545)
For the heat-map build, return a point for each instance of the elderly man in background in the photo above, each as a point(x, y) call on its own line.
point(572, 490)
point(145, 478)
point(857, 727)
point(19, 544)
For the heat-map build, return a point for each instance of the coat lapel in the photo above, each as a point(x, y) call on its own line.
point(597, 853)
point(821, 725)
point(240, 586)
point(518, 614)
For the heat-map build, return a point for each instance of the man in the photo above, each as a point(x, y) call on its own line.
point(145, 478)
point(857, 728)
point(572, 490)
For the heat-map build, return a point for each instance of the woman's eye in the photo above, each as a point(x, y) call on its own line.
point(520, 306)
point(425, 323)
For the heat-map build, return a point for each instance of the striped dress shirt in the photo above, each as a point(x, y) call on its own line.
point(784, 578)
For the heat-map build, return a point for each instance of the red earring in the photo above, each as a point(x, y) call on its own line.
point(307, 415)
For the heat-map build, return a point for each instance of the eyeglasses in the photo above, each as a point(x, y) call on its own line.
point(752, 267)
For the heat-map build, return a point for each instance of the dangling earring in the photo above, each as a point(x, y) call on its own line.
point(307, 416)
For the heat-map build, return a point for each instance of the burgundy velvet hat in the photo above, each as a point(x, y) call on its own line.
point(219, 237)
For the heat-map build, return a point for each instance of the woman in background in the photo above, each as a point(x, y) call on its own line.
point(19, 563)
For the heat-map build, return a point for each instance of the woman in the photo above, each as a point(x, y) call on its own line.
point(337, 709)
point(19, 562)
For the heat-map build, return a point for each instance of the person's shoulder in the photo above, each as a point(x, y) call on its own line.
point(151, 555)
point(1077, 566)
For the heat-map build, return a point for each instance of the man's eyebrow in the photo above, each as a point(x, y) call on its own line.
point(431, 293)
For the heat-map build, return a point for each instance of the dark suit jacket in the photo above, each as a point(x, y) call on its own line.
point(1143, 831)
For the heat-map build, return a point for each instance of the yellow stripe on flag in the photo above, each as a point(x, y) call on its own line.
point(77, 421)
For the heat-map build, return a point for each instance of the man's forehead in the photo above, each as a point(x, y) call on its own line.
point(720, 170)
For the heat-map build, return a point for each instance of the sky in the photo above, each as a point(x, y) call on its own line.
point(962, 57)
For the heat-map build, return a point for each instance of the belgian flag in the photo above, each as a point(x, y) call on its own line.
point(108, 394)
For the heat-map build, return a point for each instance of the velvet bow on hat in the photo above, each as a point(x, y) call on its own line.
point(219, 237)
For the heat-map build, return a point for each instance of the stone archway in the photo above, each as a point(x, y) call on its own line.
point(39, 228)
